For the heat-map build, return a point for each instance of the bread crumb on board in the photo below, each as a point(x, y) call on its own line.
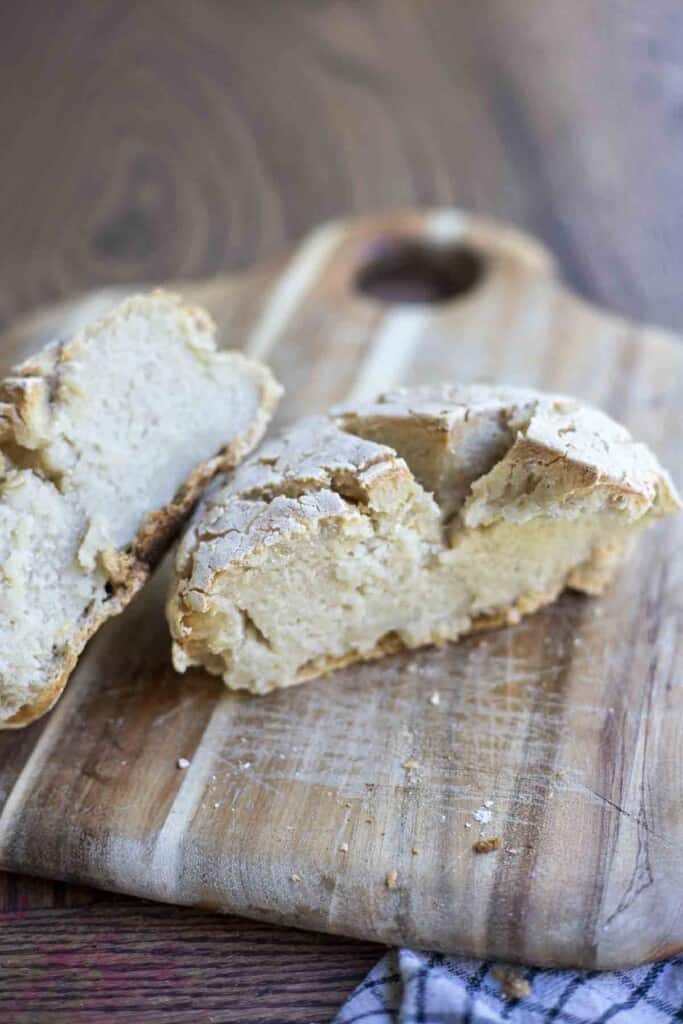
point(391, 881)
point(182, 762)
point(488, 845)
point(435, 699)
point(410, 765)
point(295, 877)
point(344, 848)
point(513, 985)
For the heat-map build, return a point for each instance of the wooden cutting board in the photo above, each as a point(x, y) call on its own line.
point(565, 730)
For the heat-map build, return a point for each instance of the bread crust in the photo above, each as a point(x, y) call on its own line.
point(22, 397)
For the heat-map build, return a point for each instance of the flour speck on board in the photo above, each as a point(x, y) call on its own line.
point(483, 815)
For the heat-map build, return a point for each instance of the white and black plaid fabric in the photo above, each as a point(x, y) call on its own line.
point(408, 987)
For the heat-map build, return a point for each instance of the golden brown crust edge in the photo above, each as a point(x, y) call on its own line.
point(156, 534)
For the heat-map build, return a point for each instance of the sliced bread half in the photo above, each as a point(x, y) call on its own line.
point(106, 441)
point(411, 520)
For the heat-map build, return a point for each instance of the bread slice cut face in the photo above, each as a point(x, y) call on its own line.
point(106, 441)
point(410, 520)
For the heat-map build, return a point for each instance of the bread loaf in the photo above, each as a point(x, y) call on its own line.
point(106, 441)
point(411, 520)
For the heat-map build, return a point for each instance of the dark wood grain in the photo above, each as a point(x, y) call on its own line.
point(166, 139)
point(170, 139)
point(122, 959)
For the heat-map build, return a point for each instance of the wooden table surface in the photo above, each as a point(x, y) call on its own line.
point(177, 138)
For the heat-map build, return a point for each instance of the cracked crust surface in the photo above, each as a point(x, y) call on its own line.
point(106, 442)
point(414, 519)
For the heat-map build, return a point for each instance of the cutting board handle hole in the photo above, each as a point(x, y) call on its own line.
point(409, 271)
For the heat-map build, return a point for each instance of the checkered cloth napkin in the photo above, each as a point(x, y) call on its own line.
point(407, 987)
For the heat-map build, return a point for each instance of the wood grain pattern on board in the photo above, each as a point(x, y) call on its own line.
point(569, 723)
